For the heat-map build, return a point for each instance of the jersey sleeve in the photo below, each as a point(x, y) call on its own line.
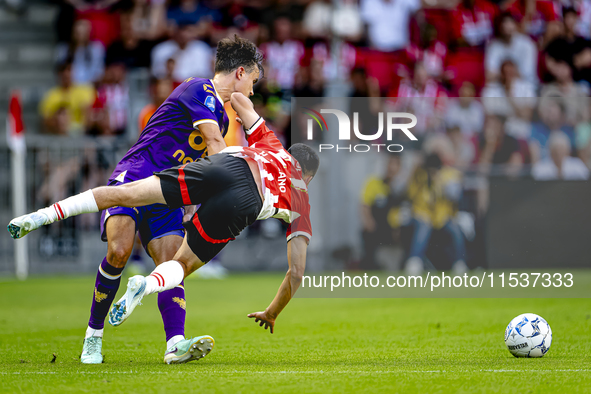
point(200, 102)
point(301, 226)
point(260, 134)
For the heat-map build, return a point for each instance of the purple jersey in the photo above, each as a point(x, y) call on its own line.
point(172, 137)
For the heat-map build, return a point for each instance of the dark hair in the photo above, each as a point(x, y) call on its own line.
point(237, 52)
point(499, 21)
point(306, 156)
point(433, 161)
point(63, 66)
point(569, 10)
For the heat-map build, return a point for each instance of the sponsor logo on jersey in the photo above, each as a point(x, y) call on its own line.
point(121, 177)
point(210, 103)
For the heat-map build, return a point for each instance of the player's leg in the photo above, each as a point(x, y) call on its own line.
point(139, 193)
point(172, 305)
point(162, 232)
point(165, 276)
point(120, 233)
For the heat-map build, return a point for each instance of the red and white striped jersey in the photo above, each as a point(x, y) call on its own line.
point(285, 195)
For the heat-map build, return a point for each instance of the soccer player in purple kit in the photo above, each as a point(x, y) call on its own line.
point(191, 123)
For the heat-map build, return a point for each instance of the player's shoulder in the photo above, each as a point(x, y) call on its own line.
point(199, 90)
point(200, 87)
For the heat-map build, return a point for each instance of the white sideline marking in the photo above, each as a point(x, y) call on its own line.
point(286, 372)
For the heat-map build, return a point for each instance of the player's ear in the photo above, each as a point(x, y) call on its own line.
point(240, 72)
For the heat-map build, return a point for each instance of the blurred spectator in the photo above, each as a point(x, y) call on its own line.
point(473, 22)
point(236, 17)
point(160, 89)
point(147, 19)
point(570, 48)
point(87, 56)
point(498, 148)
point(103, 17)
point(112, 102)
point(465, 112)
point(463, 148)
point(170, 74)
point(424, 97)
point(534, 15)
point(191, 12)
point(552, 118)
point(583, 8)
point(435, 190)
point(431, 52)
point(346, 21)
point(565, 87)
point(512, 98)
point(129, 49)
point(366, 100)
point(511, 45)
point(381, 212)
point(64, 108)
point(388, 22)
point(318, 18)
point(282, 54)
point(192, 58)
point(362, 85)
point(560, 165)
point(310, 81)
point(583, 137)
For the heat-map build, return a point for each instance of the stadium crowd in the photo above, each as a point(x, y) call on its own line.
point(501, 87)
point(529, 61)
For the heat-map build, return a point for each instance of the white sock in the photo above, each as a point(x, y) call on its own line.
point(71, 206)
point(166, 276)
point(91, 332)
point(173, 341)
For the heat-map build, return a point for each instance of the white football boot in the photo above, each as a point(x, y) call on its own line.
point(136, 287)
point(23, 225)
point(189, 349)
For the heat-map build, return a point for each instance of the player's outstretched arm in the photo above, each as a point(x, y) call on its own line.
point(244, 109)
point(296, 258)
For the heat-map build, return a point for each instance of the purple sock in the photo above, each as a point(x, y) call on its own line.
point(105, 288)
point(173, 306)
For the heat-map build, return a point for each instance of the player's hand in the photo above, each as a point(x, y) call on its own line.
point(264, 318)
point(189, 212)
point(239, 120)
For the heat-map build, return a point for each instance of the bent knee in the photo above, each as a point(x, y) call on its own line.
point(118, 255)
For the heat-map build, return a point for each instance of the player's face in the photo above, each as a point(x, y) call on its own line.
point(246, 81)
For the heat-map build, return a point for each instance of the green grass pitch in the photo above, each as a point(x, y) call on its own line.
point(320, 345)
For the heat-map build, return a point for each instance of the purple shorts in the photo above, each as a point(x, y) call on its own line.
point(152, 221)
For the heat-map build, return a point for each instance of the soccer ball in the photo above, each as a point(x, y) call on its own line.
point(528, 335)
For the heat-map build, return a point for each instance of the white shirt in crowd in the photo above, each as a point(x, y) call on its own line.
point(521, 50)
point(87, 62)
point(284, 61)
point(573, 169)
point(387, 22)
point(494, 99)
point(469, 119)
point(196, 60)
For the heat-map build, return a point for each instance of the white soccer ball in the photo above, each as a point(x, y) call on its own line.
point(528, 335)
